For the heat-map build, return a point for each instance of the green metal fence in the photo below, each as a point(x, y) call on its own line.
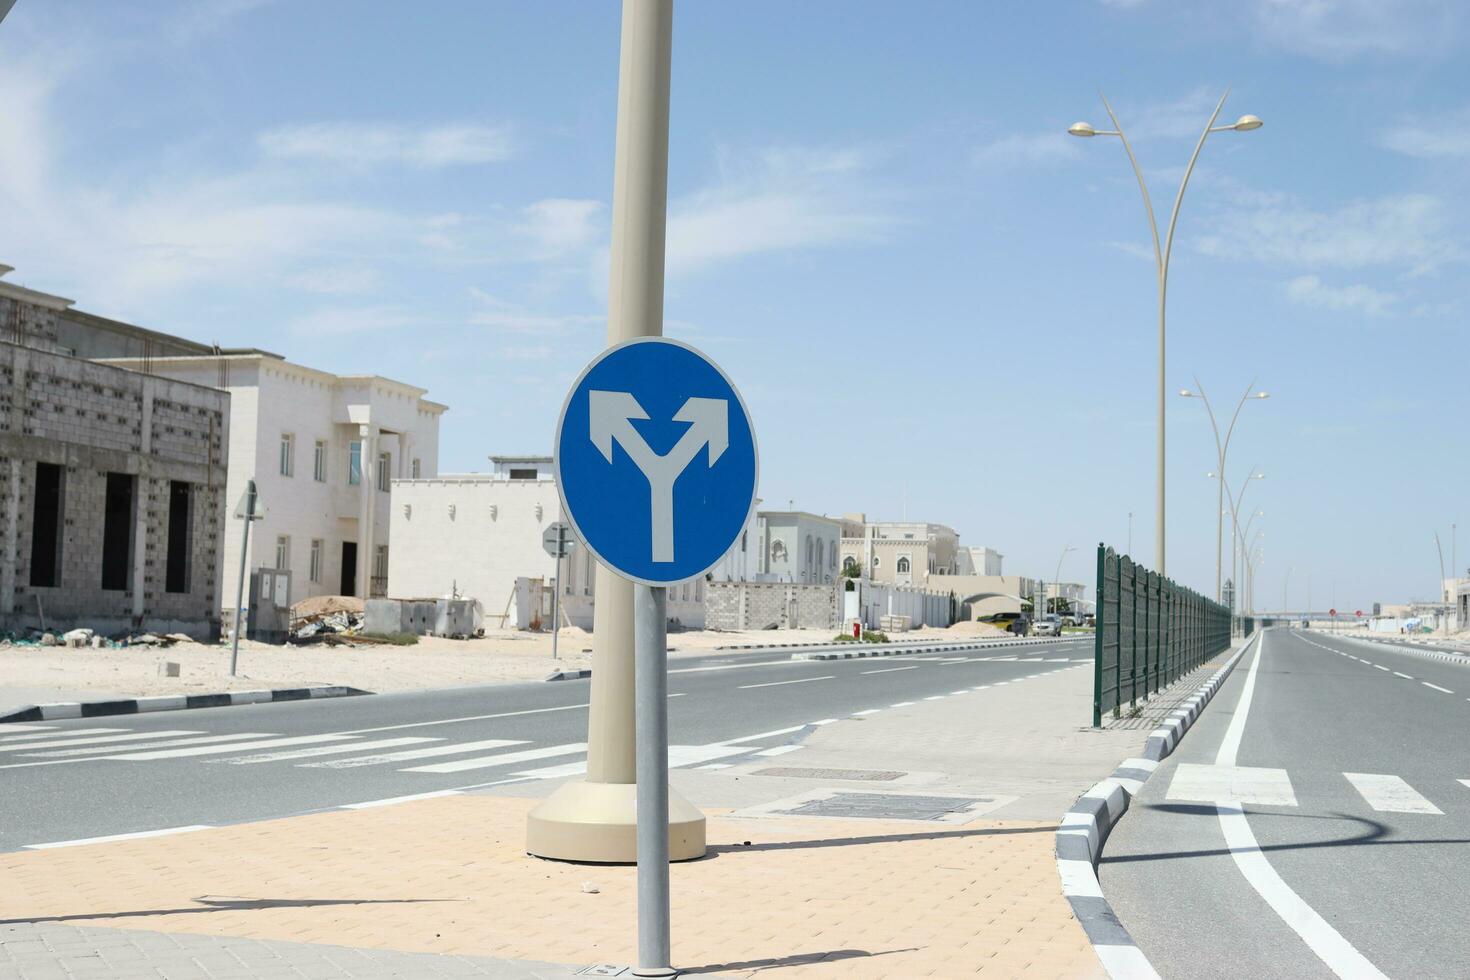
point(1150, 632)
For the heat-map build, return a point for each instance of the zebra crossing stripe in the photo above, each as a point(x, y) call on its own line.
point(269, 743)
point(1390, 794)
point(5, 740)
point(289, 754)
point(101, 751)
point(455, 748)
point(502, 759)
point(136, 736)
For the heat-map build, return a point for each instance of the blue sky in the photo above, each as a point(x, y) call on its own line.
point(935, 302)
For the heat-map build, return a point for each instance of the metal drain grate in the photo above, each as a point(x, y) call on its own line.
point(864, 775)
point(885, 806)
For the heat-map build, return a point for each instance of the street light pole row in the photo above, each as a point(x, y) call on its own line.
point(1221, 448)
point(1161, 261)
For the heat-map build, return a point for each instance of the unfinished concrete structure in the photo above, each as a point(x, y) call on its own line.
point(111, 486)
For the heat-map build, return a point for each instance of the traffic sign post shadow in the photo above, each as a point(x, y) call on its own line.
point(657, 471)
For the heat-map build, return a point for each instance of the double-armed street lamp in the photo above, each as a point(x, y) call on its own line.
point(1221, 448)
point(1161, 259)
point(1056, 578)
point(1235, 518)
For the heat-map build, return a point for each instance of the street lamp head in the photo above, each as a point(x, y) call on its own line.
point(1261, 394)
point(1259, 476)
point(1246, 123)
point(1186, 393)
point(1085, 129)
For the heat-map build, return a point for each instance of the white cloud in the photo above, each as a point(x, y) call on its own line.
point(204, 17)
point(1027, 149)
point(1445, 136)
point(1312, 291)
point(346, 321)
point(560, 224)
point(336, 280)
point(1411, 231)
point(368, 144)
point(1337, 30)
point(518, 321)
point(781, 199)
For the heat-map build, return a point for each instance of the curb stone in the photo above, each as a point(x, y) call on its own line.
point(859, 643)
point(172, 702)
point(1441, 655)
point(1084, 830)
point(574, 674)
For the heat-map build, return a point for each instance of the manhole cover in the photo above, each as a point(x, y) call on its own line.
point(866, 775)
point(884, 806)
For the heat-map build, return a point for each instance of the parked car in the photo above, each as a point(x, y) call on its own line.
point(1011, 622)
point(1048, 626)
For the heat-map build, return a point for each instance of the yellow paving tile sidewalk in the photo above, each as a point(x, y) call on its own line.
point(778, 896)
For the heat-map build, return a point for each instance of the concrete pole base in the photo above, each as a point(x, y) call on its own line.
point(598, 822)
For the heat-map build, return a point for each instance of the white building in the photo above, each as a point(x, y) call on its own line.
point(979, 561)
point(324, 451)
point(796, 546)
point(481, 532)
point(899, 552)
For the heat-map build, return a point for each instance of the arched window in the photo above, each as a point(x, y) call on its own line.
point(821, 553)
point(849, 564)
point(903, 565)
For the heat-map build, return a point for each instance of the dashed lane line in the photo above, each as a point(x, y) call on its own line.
point(799, 680)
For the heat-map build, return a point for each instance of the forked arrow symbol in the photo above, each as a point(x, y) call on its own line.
point(610, 419)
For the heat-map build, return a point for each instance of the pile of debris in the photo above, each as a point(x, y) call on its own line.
point(326, 618)
point(81, 638)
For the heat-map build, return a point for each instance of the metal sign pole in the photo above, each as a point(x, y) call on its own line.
point(561, 547)
point(651, 697)
point(240, 585)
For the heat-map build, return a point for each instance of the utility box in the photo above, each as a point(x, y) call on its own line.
point(457, 618)
point(416, 616)
point(270, 606)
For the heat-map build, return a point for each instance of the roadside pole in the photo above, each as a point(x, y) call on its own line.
point(650, 644)
point(555, 598)
point(249, 518)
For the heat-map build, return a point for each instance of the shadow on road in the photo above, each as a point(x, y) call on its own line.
point(207, 904)
point(796, 959)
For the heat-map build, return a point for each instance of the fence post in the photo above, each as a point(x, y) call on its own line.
point(1097, 637)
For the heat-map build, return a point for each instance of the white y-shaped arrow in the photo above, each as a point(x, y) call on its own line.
point(611, 415)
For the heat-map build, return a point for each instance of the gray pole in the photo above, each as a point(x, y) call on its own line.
point(5, 6)
point(651, 684)
point(555, 598)
point(240, 585)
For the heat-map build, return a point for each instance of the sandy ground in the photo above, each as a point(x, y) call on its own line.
point(501, 656)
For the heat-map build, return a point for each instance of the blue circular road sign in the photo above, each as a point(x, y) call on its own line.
point(655, 461)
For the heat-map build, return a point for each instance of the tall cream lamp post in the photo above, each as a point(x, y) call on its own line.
point(1161, 260)
point(1221, 449)
point(1235, 522)
point(595, 819)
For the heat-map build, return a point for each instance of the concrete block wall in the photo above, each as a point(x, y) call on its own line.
point(758, 605)
point(92, 420)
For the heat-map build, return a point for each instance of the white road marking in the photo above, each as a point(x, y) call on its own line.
point(502, 759)
point(826, 721)
point(778, 750)
point(1466, 783)
point(869, 711)
point(955, 660)
point(963, 690)
point(1390, 794)
point(889, 670)
point(716, 765)
point(1331, 948)
point(757, 737)
point(33, 745)
point(1246, 784)
point(935, 697)
point(116, 837)
point(454, 748)
point(555, 772)
point(401, 799)
point(1404, 676)
point(169, 744)
point(799, 680)
point(1230, 747)
point(1057, 660)
point(901, 704)
point(763, 663)
point(26, 728)
point(69, 733)
point(455, 721)
point(1378, 666)
point(382, 743)
point(217, 749)
point(1444, 690)
point(980, 688)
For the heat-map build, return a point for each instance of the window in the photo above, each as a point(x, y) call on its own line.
point(319, 463)
point(288, 454)
point(314, 572)
point(176, 566)
point(379, 584)
point(417, 469)
point(117, 532)
point(849, 565)
point(522, 474)
point(903, 565)
point(875, 561)
point(46, 523)
point(354, 463)
point(283, 552)
point(385, 471)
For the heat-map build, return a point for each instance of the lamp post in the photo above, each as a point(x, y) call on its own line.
point(1057, 579)
point(1285, 584)
point(1161, 258)
point(1235, 518)
point(1221, 448)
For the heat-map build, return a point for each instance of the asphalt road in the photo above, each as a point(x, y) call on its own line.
point(1350, 763)
point(75, 780)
